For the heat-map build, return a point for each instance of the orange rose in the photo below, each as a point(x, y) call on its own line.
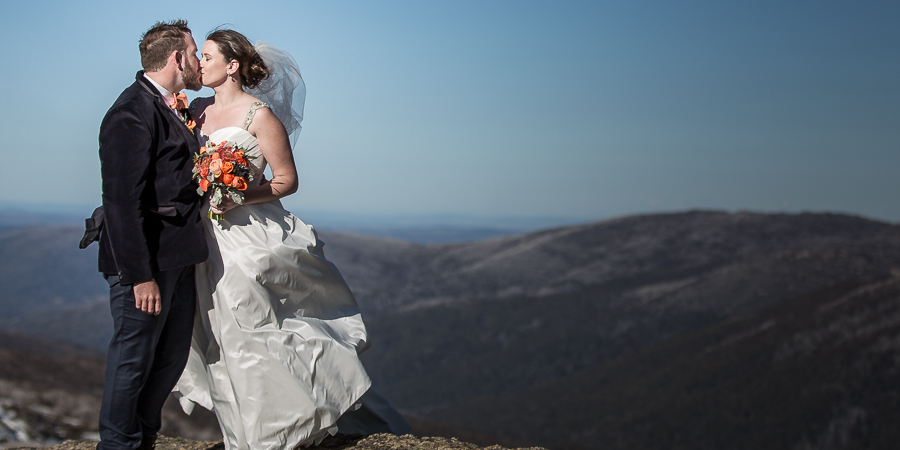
point(215, 155)
point(227, 178)
point(204, 184)
point(238, 183)
point(227, 167)
point(204, 172)
point(202, 149)
point(238, 154)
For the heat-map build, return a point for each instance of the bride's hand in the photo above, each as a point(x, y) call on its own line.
point(227, 203)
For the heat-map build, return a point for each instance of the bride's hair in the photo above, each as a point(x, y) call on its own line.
point(234, 46)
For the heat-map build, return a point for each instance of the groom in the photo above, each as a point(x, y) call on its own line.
point(151, 238)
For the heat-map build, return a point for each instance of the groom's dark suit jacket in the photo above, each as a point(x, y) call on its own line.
point(152, 210)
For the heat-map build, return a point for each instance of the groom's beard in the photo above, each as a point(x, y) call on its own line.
point(191, 78)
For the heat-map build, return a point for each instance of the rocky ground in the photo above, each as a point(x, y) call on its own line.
point(373, 442)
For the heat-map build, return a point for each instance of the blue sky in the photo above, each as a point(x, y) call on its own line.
point(578, 110)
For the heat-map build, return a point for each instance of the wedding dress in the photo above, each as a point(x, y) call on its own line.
point(277, 332)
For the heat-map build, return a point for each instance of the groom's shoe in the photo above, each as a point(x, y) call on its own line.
point(148, 442)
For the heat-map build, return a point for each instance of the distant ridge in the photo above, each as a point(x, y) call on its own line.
point(624, 250)
point(420, 229)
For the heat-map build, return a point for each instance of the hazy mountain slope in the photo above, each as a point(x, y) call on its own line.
point(41, 268)
point(818, 371)
point(89, 325)
point(608, 332)
point(519, 353)
point(422, 356)
point(428, 358)
point(636, 250)
point(50, 288)
point(371, 265)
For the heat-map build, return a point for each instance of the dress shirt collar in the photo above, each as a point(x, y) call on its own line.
point(167, 96)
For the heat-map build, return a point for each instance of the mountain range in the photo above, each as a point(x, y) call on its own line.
point(689, 330)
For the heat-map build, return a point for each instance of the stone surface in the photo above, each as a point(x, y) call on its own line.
point(373, 442)
point(410, 442)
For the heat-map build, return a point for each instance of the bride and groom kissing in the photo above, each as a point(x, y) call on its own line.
point(242, 315)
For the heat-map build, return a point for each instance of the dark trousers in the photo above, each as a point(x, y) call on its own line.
point(146, 357)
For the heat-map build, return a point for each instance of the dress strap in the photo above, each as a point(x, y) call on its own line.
point(253, 108)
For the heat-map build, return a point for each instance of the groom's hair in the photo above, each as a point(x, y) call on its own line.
point(160, 41)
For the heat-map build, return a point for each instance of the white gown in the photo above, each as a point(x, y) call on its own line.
point(277, 332)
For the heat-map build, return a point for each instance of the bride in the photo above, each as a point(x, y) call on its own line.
point(278, 332)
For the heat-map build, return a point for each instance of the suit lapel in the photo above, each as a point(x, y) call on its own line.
point(188, 134)
point(168, 112)
point(151, 89)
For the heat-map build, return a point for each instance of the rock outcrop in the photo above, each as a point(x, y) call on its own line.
point(373, 442)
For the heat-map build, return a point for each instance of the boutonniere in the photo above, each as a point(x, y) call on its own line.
point(180, 105)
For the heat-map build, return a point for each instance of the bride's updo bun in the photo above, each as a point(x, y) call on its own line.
point(234, 46)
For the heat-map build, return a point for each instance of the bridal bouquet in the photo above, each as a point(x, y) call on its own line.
point(222, 170)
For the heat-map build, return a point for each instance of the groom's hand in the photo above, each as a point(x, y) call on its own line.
point(147, 298)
